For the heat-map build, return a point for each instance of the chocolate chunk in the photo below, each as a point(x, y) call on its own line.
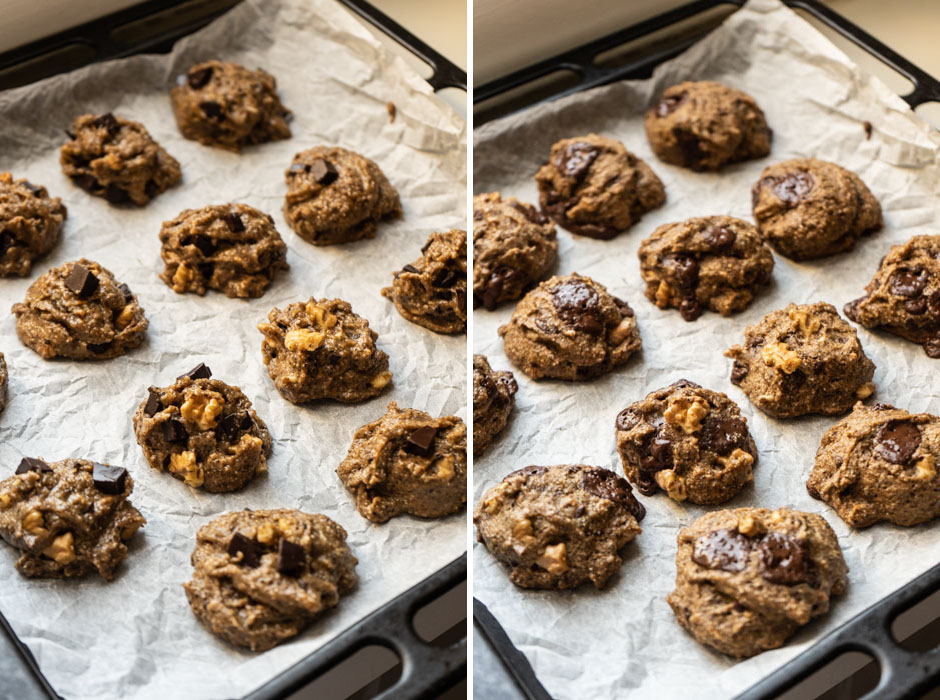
point(200, 371)
point(213, 110)
point(249, 549)
point(206, 270)
point(792, 188)
point(6, 241)
point(577, 158)
point(32, 464)
point(297, 168)
point(35, 189)
point(897, 441)
point(198, 78)
point(686, 269)
point(154, 405)
point(461, 297)
point(606, 484)
point(690, 309)
point(528, 211)
point(444, 279)
point(116, 195)
point(205, 244)
point(626, 420)
point(669, 104)
point(234, 222)
point(107, 121)
point(86, 182)
point(908, 283)
point(727, 550)
point(291, 558)
point(655, 452)
point(126, 291)
point(578, 305)
point(323, 171)
point(174, 430)
point(916, 306)
point(233, 424)
point(933, 304)
point(410, 268)
point(722, 435)
point(151, 188)
point(70, 134)
point(784, 559)
point(98, 348)
point(109, 479)
point(719, 239)
point(493, 288)
point(81, 281)
point(689, 146)
point(421, 441)
point(932, 348)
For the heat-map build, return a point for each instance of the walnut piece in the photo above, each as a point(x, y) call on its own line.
point(686, 413)
point(62, 549)
point(266, 533)
point(736, 458)
point(865, 390)
point(803, 321)
point(182, 277)
point(184, 465)
point(779, 356)
point(622, 331)
point(673, 485)
point(203, 409)
point(926, 468)
point(381, 379)
point(125, 317)
point(303, 339)
point(323, 318)
point(554, 559)
point(34, 523)
point(445, 468)
point(750, 527)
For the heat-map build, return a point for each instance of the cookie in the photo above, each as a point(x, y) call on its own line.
point(261, 577)
point(432, 290)
point(30, 222)
point(407, 462)
point(706, 125)
point(320, 349)
point(79, 311)
point(224, 104)
point(117, 159)
point(903, 297)
point(514, 246)
point(559, 526)
point(337, 196)
point(713, 262)
point(748, 578)
point(800, 360)
point(68, 518)
point(808, 208)
point(880, 463)
point(690, 442)
point(570, 328)
point(232, 248)
point(493, 398)
point(595, 187)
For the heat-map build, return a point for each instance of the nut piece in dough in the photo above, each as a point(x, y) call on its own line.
point(30, 222)
point(493, 398)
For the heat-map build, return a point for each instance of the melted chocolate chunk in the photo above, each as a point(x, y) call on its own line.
point(577, 158)
point(727, 550)
point(116, 195)
point(107, 121)
point(213, 110)
point(291, 558)
point(719, 239)
point(174, 430)
point(791, 188)
point(578, 305)
point(908, 283)
point(722, 435)
point(656, 450)
point(626, 419)
point(7, 241)
point(669, 104)
point(916, 306)
point(421, 441)
point(109, 479)
point(686, 269)
point(932, 348)
point(689, 147)
point(323, 171)
point(606, 484)
point(198, 78)
point(154, 405)
point(933, 305)
point(690, 309)
point(205, 244)
point(200, 371)
point(35, 189)
point(70, 134)
point(785, 560)
point(410, 268)
point(232, 425)
point(527, 210)
point(493, 288)
point(897, 441)
point(444, 279)
point(249, 549)
point(85, 181)
point(98, 348)
point(82, 281)
point(126, 291)
point(32, 464)
point(234, 222)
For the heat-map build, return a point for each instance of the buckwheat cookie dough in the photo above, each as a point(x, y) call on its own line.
point(706, 125)
point(595, 187)
point(748, 578)
point(690, 442)
point(261, 577)
point(712, 262)
point(320, 349)
point(903, 297)
point(68, 518)
point(807, 208)
point(337, 196)
point(79, 311)
point(559, 526)
point(432, 291)
point(570, 328)
point(514, 246)
point(117, 159)
point(227, 105)
point(800, 360)
point(493, 398)
point(30, 222)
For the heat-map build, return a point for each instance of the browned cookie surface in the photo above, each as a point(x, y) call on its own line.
point(493, 398)
point(30, 222)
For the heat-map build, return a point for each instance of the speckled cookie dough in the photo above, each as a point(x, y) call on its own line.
point(493, 398)
point(30, 222)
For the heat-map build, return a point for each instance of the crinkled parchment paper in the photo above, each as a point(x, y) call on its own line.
point(623, 641)
point(136, 637)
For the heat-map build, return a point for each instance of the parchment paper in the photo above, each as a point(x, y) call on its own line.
point(624, 641)
point(136, 637)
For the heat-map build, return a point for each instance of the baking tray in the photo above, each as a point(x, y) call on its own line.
point(426, 668)
point(904, 673)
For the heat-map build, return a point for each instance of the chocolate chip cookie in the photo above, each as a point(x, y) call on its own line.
point(807, 208)
point(227, 105)
point(800, 360)
point(570, 328)
point(68, 518)
point(514, 246)
point(117, 159)
point(30, 222)
point(407, 462)
point(3, 383)
point(493, 398)
point(593, 186)
point(261, 577)
point(432, 290)
point(748, 578)
point(690, 442)
point(79, 311)
point(559, 526)
point(903, 297)
point(706, 125)
point(337, 196)
point(320, 349)
point(711, 262)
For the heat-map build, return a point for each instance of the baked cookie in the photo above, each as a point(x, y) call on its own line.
point(493, 398)
point(706, 125)
point(711, 262)
point(407, 462)
point(559, 526)
point(803, 359)
point(233, 248)
point(203, 431)
point(224, 104)
point(807, 208)
point(690, 442)
point(570, 328)
point(30, 222)
point(432, 291)
point(337, 196)
point(748, 578)
point(3, 383)
point(514, 246)
point(903, 297)
point(595, 187)
point(68, 518)
point(261, 577)
point(320, 349)
point(880, 463)
point(78, 310)
point(117, 159)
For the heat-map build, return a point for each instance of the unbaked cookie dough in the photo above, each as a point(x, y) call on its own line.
point(3, 383)
point(407, 462)
point(261, 577)
point(79, 311)
point(493, 398)
point(559, 526)
point(800, 360)
point(30, 222)
point(748, 578)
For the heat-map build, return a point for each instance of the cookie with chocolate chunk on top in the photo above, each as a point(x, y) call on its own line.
point(493, 399)
point(30, 222)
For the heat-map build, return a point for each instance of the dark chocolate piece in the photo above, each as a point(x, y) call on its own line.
point(200, 371)
point(82, 281)
point(251, 556)
point(291, 558)
point(199, 77)
point(323, 171)
point(32, 464)
point(727, 550)
point(421, 441)
point(154, 404)
point(174, 430)
point(234, 222)
point(109, 479)
point(897, 441)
